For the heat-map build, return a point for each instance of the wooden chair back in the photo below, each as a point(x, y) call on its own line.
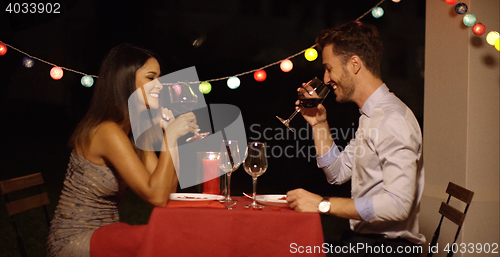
point(451, 213)
point(24, 204)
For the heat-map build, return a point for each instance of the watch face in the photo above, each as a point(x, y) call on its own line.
point(324, 206)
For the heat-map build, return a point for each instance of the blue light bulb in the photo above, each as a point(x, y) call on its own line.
point(87, 81)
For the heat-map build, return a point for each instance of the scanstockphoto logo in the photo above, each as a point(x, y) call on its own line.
point(297, 150)
point(147, 108)
point(259, 132)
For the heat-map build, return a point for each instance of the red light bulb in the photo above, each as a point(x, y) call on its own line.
point(478, 29)
point(260, 75)
point(3, 49)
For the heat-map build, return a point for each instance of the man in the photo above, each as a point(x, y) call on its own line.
point(384, 160)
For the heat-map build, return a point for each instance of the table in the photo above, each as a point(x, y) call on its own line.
point(171, 231)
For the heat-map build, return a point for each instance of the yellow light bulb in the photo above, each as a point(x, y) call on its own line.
point(497, 44)
point(492, 37)
point(205, 87)
point(311, 54)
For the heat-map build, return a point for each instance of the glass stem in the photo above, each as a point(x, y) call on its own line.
point(228, 186)
point(293, 114)
point(254, 179)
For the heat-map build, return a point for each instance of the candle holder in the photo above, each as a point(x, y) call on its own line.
point(208, 167)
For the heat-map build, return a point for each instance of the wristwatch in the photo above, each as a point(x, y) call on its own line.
point(324, 206)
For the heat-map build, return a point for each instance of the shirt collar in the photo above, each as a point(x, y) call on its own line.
point(373, 100)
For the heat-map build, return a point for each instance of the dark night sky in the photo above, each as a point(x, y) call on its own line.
point(237, 36)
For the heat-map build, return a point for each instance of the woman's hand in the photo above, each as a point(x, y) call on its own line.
point(166, 117)
point(180, 126)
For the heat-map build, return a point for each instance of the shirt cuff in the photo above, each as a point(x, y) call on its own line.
point(329, 157)
point(364, 207)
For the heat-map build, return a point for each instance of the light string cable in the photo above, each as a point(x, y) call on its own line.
point(36, 58)
point(193, 82)
point(274, 63)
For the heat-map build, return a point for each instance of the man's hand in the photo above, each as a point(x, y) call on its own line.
point(303, 201)
point(315, 115)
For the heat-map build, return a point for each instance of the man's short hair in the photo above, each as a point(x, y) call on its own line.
point(354, 38)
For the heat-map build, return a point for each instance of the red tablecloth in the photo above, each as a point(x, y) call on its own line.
point(117, 239)
point(211, 231)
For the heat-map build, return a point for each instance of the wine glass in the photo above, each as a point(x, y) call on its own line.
point(183, 99)
point(310, 99)
point(229, 161)
point(255, 164)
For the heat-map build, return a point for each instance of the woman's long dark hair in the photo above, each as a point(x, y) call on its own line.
point(115, 85)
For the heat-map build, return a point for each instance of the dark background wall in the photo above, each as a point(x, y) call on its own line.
point(39, 113)
point(237, 36)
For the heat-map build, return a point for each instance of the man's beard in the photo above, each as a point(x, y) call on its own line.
point(346, 86)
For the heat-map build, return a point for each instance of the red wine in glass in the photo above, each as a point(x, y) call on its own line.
point(183, 107)
point(310, 99)
point(183, 99)
point(311, 102)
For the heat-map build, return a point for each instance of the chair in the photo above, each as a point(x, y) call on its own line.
point(451, 213)
point(27, 203)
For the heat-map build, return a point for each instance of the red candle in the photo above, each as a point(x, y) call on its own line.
point(211, 176)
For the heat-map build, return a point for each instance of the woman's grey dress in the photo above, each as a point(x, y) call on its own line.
point(89, 200)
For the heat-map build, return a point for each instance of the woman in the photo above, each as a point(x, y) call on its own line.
point(105, 158)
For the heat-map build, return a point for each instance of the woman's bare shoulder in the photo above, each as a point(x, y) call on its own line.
point(109, 130)
point(108, 135)
point(108, 126)
point(103, 135)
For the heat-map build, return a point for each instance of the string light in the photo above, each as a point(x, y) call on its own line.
point(311, 56)
point(286, 65)
point(87, 81)
point(478, 29)
point(233, 82)
point(492, 37)
point(260, 75)
point(461, 8)
point(3, 49)
point(56, 73)
point(377, 12)
point(205, 87)
point(469, 20)
point(28, 62)
point(178, 89)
